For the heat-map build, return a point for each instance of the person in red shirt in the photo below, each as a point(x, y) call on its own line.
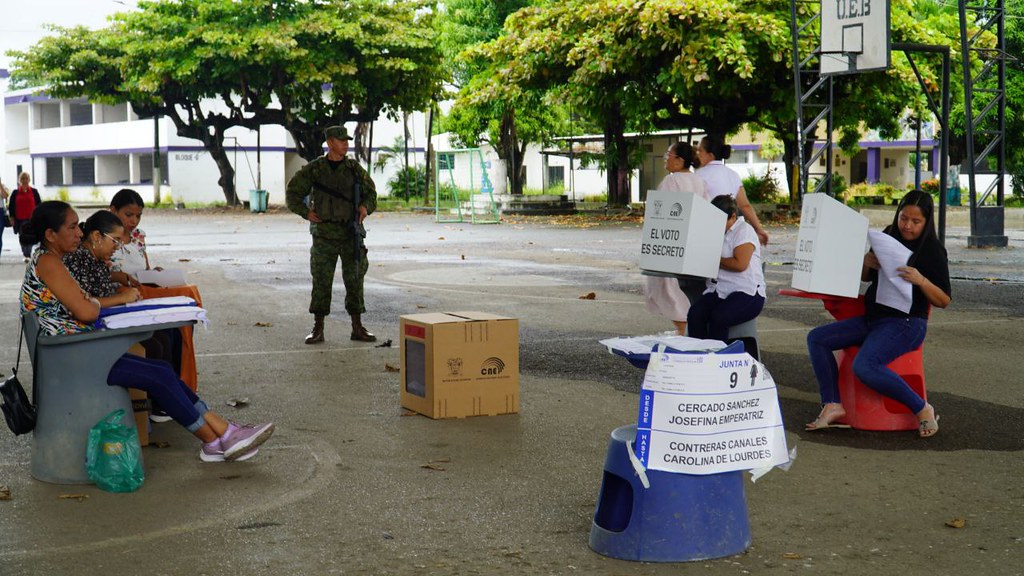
point(22, 204)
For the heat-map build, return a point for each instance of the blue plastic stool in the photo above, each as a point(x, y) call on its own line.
point(680, 518)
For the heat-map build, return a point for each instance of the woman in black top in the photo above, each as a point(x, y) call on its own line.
point(884, 333)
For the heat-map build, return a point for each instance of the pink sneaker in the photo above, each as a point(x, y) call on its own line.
point(214, 452)
point(237, 441)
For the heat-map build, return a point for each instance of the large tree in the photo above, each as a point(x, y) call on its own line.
point(210, 65)
point(508, 124)
point(669, 64)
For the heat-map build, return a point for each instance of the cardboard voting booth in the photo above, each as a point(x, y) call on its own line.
point(830, 247)
point(709, 414)
point(683, 234)
point(457, 364)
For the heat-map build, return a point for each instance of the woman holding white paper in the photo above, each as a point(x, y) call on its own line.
point(738, 294)
point(721, 180)
point(128, 205)
point(662, 295)
point(885, 333)
point(50, 292)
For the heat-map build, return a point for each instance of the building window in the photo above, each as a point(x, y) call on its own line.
point(81, 114)
point(446, 161)
point(146, 168)
point(737, 157)
point(83, 170)
point(54, 171)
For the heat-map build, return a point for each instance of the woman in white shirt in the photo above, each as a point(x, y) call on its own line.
point(721, 180)
point(738, 294)
point(662, 295)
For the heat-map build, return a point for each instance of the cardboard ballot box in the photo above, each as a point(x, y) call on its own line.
point(683, 234)
point(457, 364)
point(830, 247)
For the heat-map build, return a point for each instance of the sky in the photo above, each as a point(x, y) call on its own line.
point(22, 23)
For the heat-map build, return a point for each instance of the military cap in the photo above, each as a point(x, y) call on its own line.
point(339, 132)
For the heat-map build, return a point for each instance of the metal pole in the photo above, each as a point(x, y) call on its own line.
point(944, 147)
point(917, 156)
point(157, 177)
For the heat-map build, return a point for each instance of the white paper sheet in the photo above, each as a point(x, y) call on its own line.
point(644, 344)
point(166, 277)
point(893, 291)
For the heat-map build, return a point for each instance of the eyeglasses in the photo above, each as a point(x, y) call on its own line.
point(118, 243)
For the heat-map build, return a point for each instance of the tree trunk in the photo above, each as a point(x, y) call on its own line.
point(508, 151)
point(211, 134)
point(616, 157)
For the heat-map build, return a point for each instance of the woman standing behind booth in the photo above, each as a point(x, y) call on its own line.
point(662, 295)
point(738, 294)
point(50, 292)
point(884, 333)
point(721, 180)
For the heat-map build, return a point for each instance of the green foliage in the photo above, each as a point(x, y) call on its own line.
point(930, 186)
point(63, 194)
point(864, 193)
point(762, 189)
point(408, 183)
point(259, 61)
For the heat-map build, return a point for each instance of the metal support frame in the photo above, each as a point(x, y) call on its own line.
point(982, 129)
point(813, 99)
point(941, 113)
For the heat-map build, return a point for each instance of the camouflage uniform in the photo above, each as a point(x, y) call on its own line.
point(334, 237)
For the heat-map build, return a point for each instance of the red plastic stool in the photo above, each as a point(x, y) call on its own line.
point(869, 410)
point(865, 408)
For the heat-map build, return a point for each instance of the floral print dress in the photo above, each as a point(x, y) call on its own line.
point(54, 317)
point(132, 256)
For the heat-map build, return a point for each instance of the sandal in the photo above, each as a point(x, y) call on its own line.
point(824, 421)
point(928, 427)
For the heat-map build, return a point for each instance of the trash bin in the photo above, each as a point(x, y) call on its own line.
point(953, 196)
point(258, 200)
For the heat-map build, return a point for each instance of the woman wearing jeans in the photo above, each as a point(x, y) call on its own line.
point(50, 292)
point(883, 333)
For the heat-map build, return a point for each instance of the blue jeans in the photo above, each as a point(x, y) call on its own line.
point(881, 341)
point(159, 380)
point(712, 316)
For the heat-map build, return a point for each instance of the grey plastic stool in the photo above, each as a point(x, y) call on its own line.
point(71, 392)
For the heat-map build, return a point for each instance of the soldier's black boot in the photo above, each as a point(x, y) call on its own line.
point(316, 336)
point(359, 332)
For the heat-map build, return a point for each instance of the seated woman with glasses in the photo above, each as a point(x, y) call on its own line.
point(52, 294)
point(90, 263)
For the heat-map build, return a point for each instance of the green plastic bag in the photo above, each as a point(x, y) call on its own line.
point(113, 458)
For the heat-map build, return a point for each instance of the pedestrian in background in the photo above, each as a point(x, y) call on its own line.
point(4, 195)
point(335, 194)
point(22, 204)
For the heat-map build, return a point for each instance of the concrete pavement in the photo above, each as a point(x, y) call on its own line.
point(342, 489)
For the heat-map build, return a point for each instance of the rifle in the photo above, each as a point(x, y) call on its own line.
point(358, 231)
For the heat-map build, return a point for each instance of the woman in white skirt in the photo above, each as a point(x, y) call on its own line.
point(663, 295)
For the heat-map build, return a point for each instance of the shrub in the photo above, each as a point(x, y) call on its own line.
point(762, 189)
point(864, 193)
point(415, 176)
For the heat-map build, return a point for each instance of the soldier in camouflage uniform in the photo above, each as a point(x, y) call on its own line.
point(325, 193)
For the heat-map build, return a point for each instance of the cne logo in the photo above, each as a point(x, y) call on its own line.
point(455, 366)
point(676, 210)
point(492, 367)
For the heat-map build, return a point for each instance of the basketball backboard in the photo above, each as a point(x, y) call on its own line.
point(854, 36)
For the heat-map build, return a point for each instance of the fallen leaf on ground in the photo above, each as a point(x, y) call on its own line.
point(957, 522)
point(160, 444)
point(184, 259)
point(433, 465)
point(463, 256)
point(231, 477)
point(440, 237)
point(384, 344)
point(409, 413)
point(391, 368)
point(792, 556)
point(5, 493)
point(263, 324)
point(238, 402)
point(78, 497)
point(421, 306)
point(589, 296)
